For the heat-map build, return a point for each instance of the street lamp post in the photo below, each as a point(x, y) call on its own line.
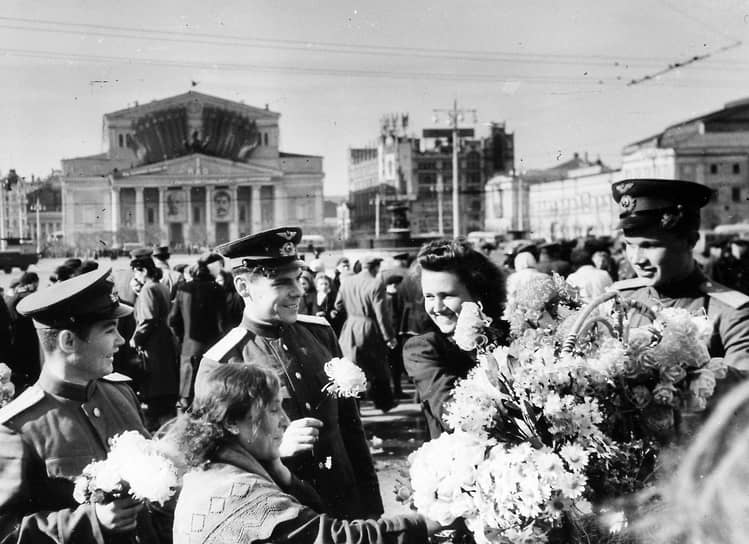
point(37, 207)
point(455, 116)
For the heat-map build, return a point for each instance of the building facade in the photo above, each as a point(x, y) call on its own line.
point(406, 169)
point(191, 170)
point(712, 149)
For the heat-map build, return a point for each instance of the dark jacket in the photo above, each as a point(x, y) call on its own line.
point(155, 340)
point(198, 317)
point(435, 363)
point(298, 353)
point(25, 357)
point(254, 508)
point(47, 436)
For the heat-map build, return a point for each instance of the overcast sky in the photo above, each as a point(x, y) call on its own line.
point(556, 72)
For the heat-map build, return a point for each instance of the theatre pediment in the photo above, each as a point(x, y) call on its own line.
point(199, 165)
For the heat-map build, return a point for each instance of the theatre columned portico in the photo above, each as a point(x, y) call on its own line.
point(221, 176)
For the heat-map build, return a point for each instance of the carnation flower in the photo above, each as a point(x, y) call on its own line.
point(5, 373)
point(469, 330)
point(134, 465)
point(346, 379)
point(443, 476)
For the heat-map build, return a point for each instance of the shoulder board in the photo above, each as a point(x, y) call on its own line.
point(721, 293)
point(631, 283)
point(314, 319)
point(22, 402)
point(219, 350)
point(116, 377)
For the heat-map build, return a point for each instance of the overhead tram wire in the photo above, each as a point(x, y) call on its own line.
point(327, 47)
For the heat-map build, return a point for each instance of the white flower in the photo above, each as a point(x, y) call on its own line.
point(469, 330)
point(576, 457)
point(5, 373)
point(346, 379)
point(443, 474)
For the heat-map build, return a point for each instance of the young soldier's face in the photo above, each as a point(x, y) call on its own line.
point(660, 256)
point(273, 300)
point(95, 353)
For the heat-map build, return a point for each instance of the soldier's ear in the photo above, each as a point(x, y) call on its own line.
point(66, 341)
point(242, 285)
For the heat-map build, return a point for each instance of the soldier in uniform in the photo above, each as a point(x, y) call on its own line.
point(325, 442)
point(660, 221)
point(65, 421)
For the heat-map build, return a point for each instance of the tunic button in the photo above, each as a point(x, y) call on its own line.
point(97, 412)
point(285, 347)
point(298, 376)
point(308, 406)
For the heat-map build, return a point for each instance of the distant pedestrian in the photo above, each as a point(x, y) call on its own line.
point(25, 355)
point(367, 333)
point(590, 280)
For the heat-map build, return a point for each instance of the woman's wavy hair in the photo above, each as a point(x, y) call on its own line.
point(483, 279)
point(230, 392)
point(706, 498)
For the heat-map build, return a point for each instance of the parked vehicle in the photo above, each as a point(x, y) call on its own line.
point(19, 253)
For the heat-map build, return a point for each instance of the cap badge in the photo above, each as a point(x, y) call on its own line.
point(288, 249)
point(627, 203)
point(287, 234)
point(624, 187)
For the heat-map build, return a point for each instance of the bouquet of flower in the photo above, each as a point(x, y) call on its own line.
point(573, 412)
point(7, 389)
point(135, 466)
point(346, 379)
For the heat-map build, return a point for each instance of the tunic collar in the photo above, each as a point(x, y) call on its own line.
point(684, 288)
point(262, 329)
point(73, 391)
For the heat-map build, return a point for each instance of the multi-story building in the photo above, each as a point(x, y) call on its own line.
point(419, 171)
point(44, 211)
point(712, 149)
point(189, 170)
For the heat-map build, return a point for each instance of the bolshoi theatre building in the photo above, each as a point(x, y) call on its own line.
point(191, 170)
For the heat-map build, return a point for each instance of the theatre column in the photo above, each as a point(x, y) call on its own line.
point(188, 217)
point(234, 224)
point(163, 234)
point(140, 223)
point(256, 208)
point(210, 226)
point(280, 205)
point(115, 210)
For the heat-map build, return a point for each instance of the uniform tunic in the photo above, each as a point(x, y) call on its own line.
point(727, 309)
point(47, 436)
point(340, 467)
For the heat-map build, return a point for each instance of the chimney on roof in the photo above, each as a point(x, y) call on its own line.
point(576, 155)
point(586, 156)
point(266, 106)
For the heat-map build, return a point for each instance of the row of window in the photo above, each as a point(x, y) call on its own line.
point(126, 140)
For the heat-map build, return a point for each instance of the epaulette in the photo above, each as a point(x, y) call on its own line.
point(721, 293)
point(631, 283)
point(116, 377)
point(22, 402)
point(219, 350)
point(314, 319)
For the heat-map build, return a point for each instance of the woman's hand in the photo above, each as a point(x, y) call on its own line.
point(119, 515)
point(279, 472)
point(301, 435)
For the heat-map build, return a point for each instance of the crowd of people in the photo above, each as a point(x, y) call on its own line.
point(226, 360)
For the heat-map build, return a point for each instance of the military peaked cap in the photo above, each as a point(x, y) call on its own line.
point(82, 299)
point(273, 248)
point(664, 203)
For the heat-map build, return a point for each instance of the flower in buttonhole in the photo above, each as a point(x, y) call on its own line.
point(470, 329)
point(346, 379)
point(5, 373)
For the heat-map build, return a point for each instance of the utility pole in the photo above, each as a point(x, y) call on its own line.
point(37, 208)
point(377, 215)
point(455, 116)
point(440, 194)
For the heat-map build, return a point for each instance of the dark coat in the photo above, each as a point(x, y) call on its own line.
point(198, 317)
point(47, 436)
point(435, 363)
point(155, 340)
point(298, 353)
point(367, 328)
point(25, 355)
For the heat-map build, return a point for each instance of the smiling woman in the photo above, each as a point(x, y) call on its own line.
point(452, 273)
